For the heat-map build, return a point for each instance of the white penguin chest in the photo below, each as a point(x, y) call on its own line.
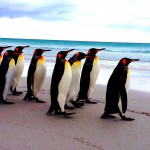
point(19, 67)
point(76, 72)
point(95, 71)
point(74, 86)
point(9, 77)
point(66, 79)
point(40, 71)
point(128, 79)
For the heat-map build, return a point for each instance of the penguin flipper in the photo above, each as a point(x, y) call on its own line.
point(123, 95)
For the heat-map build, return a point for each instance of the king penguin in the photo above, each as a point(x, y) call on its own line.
point(116, 93)
point(7, 72)
point(76, 66)
point(60, 83)
point(36, 75)
point(19, 61)
point(89, 75)
point(1, 49)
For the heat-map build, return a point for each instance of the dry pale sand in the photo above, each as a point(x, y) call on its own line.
point(25, 126)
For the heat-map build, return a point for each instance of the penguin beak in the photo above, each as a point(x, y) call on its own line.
point(26, 46)
point(46, 51)
point(101, 49)
point(6, 47)
point(69, 51)
point(132, 60)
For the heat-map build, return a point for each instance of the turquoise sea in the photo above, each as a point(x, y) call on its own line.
point(140, 71)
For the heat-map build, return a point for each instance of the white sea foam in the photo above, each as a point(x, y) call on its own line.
point(140, 79)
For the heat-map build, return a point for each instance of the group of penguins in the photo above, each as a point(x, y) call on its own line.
point(71, 84)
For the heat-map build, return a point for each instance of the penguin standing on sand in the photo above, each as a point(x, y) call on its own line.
point(116, 94)
point(60, 83)
point(76, 64)
point(36, 75)
point(89, 75)
point(1, 49)
point(7, 72)
point(19, 61)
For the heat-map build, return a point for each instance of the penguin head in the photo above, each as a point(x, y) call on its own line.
point(80, 55)
point(11, 53)
point(3, 47)
point(93, 51)
point(63, 54)
point(127, 61)
point(39, 52)
point(20, 48)
point(77, 57)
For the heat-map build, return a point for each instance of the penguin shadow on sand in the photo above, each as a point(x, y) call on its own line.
point(116, 92)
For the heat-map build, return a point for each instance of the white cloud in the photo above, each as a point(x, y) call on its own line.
point(96, 20)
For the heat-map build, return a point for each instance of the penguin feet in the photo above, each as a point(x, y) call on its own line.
point(69, 107)
point(77, 104)
point(31, 98)
point(15, 92)
point(6, 102)
point(49, 113)
point(89, 101)
point(64, 113)
point(39, 101)
point(107, 116)
point(127, 119)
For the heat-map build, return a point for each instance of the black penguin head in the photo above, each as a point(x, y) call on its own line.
point(20, 48)
point(3, 47)
point(39, 52)
point(11, 53)
point(80, 55)
point(77, 57)
point(127, 61)
point(63, 54)
point(93, 51)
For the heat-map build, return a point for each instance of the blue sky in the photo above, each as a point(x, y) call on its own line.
point(87, 20)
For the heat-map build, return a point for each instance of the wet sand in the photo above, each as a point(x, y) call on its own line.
point(25, 126)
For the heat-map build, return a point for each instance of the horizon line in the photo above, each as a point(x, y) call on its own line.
point(75, 40)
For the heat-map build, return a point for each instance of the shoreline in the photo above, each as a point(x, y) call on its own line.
point(25, 126)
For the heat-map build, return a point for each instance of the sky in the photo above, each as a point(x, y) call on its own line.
point(85, 20)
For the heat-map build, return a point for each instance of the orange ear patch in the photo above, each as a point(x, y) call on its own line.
point(124, 61)
point(6, 53)
point(89, 52)
point(77, 54)
point(59, 55)
point(34, 51)
point(16, 48)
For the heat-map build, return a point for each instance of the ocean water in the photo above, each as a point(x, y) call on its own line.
point(140, 71)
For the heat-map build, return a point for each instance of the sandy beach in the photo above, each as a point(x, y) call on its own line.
point(25, 126)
